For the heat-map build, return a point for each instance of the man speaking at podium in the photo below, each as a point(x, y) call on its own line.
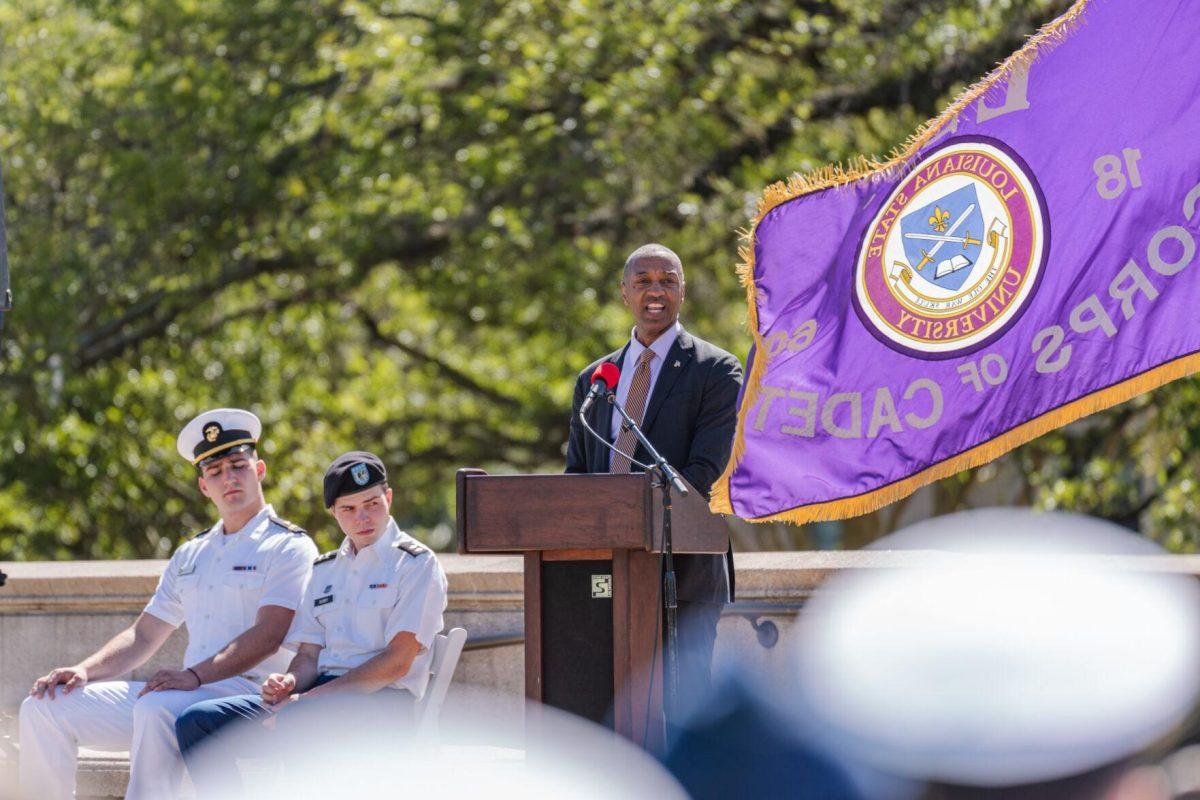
point(683, 392)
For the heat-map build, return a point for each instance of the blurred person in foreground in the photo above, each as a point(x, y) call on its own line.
point(1017, 655)
point(236, 585)
point(365, 627)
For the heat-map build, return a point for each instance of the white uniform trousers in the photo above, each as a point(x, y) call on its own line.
point(110, 716)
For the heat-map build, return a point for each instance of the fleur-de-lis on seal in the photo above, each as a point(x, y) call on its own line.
point(940, 219)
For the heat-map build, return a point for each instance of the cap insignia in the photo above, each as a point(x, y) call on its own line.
point(360, 474)
point(211, 431)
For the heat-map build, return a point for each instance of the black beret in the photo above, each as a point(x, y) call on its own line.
point(352, 472)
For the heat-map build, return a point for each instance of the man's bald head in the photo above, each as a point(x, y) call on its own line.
point(652, 252)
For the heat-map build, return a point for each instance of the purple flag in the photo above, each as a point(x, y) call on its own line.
point(1029, 258)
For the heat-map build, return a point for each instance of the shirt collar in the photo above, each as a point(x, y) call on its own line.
point(254, 528)
point(661, 346)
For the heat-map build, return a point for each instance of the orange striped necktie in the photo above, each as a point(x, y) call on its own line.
point(635, 407)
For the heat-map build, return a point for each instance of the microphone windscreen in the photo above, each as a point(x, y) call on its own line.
point(607, 372)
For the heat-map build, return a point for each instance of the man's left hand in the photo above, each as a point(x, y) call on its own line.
point(164, 679)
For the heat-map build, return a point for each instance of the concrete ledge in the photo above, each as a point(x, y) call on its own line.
point(67, 586)
point(102, 774)
point(54, 587)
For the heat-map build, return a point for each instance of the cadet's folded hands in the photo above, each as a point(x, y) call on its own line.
point(277, 687)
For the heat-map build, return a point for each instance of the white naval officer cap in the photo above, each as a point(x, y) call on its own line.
point(217, 433)
point(1006, 648)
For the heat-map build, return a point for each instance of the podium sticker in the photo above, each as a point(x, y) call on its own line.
point(601, 586)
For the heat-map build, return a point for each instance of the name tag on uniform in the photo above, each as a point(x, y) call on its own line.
point(245, 568)
point(378, 586)
point(188, 570)
point(320, 601)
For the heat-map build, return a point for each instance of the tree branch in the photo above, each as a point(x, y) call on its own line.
point(451, 373)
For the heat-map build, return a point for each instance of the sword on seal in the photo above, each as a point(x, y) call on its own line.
point(927, 257)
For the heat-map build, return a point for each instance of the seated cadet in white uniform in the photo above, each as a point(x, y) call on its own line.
point(236, 585)
point(369, 616)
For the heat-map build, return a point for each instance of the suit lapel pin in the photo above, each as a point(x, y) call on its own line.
point(677, 363)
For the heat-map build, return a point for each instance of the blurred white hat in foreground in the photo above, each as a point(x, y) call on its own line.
point(1020, 647)
point(350, 748)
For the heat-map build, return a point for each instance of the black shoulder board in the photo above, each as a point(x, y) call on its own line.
point(291, 526)
point(412, 548)
point(198, 534)
point(330, 556)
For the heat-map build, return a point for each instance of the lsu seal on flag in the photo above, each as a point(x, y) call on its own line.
point(954, 254)
point(1028, 258)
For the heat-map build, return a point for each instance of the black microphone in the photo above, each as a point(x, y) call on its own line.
point(604, 380)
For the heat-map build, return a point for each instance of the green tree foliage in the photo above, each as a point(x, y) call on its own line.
point(399, 225)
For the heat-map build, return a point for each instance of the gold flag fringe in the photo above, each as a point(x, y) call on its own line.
point(980, 454)
point(798, 185)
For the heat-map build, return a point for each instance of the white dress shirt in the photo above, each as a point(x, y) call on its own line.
point(356, 603)
point(661, 346)
point(217, 581)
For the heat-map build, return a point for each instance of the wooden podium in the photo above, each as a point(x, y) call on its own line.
point(588, 522)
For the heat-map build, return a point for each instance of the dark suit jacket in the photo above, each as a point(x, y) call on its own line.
point(690, 419)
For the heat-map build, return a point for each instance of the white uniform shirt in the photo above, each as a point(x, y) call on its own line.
point(356, 603)
point(217, 581)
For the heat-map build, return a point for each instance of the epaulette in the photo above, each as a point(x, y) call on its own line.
point(198, 534)
point(330, 556)
point(291, 526)
point(412, 548)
